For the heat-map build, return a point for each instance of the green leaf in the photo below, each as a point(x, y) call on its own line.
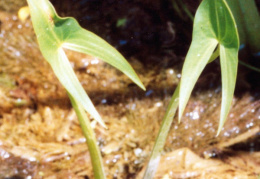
point(55, 33)
point(213, 25)
point(229, 63)
point(121, 22)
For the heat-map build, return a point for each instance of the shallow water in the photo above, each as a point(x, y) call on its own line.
point(41, 136)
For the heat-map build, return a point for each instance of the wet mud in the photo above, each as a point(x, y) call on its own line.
point(40, 136)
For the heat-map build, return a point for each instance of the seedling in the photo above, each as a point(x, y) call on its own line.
point(54, 34)
point(214, 29)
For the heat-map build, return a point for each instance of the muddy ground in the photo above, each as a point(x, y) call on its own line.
point(40, 136)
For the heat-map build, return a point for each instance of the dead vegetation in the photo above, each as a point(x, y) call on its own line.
point(41, 137)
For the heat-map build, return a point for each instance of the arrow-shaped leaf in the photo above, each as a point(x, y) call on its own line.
point(213, 25)
point(55, 33)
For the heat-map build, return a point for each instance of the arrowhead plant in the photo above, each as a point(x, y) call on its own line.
point(214, 34)
point(214, 27)
point(54, 34)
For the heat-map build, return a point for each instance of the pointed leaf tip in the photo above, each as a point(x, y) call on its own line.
point(53, 32)
point(213, 25)
point(219, 130)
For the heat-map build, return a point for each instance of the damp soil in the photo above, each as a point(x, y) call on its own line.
point(40, 136)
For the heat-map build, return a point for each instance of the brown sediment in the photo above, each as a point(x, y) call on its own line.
point(42, 137)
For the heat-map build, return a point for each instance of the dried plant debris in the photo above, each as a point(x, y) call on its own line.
point(21, 60)
point(41, 138)
point(183, 163)
point(12, 5)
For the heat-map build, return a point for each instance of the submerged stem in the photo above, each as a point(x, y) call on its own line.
point(249, 66)
point(162, 135)
point(88, 132)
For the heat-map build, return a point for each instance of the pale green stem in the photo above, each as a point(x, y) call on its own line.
point(88, 132)
point(249, 66)
point(162, 135)
point(178, 6)
point(186, 10)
